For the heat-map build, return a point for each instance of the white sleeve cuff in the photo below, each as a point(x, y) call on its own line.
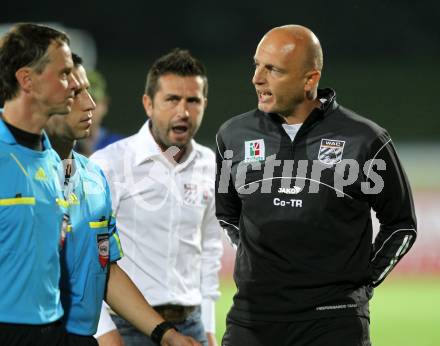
point(208, 315)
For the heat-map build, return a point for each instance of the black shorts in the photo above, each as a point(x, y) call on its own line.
point(80, 340)
point(340, 331)
point(51, 334)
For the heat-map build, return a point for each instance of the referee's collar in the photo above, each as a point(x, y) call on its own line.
point(7, 137)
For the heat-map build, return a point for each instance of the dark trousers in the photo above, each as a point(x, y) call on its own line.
point(51, 334)
point(338, 331)
point(80, 340)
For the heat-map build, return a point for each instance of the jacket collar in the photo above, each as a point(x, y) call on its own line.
point(327, 97)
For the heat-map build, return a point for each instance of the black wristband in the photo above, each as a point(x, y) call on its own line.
point(159, 331)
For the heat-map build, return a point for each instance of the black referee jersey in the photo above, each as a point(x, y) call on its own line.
point(300, 212)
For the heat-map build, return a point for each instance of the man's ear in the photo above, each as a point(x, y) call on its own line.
point(24, 78)
point(312, 80)
point(148, 104)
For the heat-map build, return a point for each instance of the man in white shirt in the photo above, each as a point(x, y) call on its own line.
point(162, 185)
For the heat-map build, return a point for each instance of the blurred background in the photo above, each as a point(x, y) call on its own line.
point(382, 58)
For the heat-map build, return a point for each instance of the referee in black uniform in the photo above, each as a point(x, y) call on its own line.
point(296, 181)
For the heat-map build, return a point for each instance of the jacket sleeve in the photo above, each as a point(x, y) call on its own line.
point(116, 252)
point(394, 207)
point(227, 202)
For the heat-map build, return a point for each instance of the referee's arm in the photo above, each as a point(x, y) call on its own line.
point(127, 301)
point(394, 209)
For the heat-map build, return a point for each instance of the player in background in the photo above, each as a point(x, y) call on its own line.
point(162, 184)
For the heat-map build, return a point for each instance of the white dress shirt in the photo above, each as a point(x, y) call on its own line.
point(166, 220)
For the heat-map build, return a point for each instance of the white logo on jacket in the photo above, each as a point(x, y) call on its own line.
point(330, 151)
point(290, 190)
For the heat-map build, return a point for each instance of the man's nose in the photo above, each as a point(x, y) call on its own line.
point(74, 84)
point(183, 111)
point(90, 102)
point(259, 76)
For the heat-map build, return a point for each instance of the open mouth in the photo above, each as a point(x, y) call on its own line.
point(180, 129)
point(264, 96)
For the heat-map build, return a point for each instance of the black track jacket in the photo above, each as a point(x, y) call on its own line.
point(300, 212)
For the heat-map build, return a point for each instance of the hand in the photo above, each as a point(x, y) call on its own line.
point(211, 339)
point(174, 338)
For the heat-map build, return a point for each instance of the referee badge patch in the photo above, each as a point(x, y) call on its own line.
point(254, 150)
point(330, 151)
point(103, 249)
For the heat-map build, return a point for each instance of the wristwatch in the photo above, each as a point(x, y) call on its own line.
point(159, 331)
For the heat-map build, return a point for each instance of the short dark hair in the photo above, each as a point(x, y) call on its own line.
point(77, 60)
point(25, 44)
point(179, 62)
